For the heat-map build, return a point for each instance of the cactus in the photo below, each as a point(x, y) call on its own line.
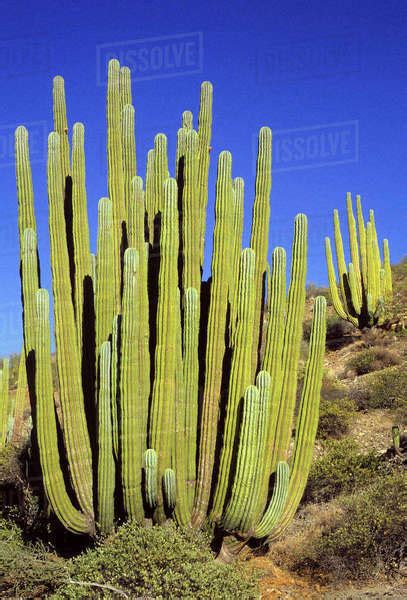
point(156, 343)
point(106, 464)
point(366, 284)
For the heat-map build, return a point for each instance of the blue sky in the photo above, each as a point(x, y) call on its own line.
point(328, 77)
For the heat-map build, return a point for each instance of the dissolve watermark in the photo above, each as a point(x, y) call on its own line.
point(313, 59)
point(37, 138)
point(153, 58)
point(24, 56)
point(313, 146)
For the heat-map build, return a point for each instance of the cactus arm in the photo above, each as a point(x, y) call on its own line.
point(129, 153)
point(29, 276)
point(80, 225)
point(150, 469)
point(131, 409)
point(240, 376)
point(215, 347)
point(69, 370)
point(292, 341)
point(46, 427)
point(307, 419)
point(136, 239)
point(260, 232)
point(61, 124)
point(105, 299)
point(237, 231)
point(362, 242)
point(204, 137)
point(388, 286)
point(340, 258)
point(184, 491)
point(354, 289)
point(125, 86)
point(164, 390)
point(277, 502)
point(372, 294)
point(160, 172)
point(22, 404)
point(150, 194)
point(191, 380)
point(237, 515)
point(116, 190)
point(170, 489)
point(114, 377)
point(106, 463)
point(191, 273)
point(25, 193)
point(336, 301)
point(187, 119)
point(354, 252)
point(273, 354)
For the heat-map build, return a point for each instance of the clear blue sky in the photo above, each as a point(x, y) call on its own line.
point(334, 72)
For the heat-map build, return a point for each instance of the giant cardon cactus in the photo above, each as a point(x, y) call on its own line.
point(365, 284)
point(165, 388)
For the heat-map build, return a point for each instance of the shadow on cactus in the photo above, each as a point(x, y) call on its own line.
point(365, 285)
point(168, 407)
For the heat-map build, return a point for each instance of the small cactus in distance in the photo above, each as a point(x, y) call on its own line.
point(364, 287)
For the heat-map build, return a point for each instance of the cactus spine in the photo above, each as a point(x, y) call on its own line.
point(365, 285)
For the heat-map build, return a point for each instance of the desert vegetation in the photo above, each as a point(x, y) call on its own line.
point(182, 425)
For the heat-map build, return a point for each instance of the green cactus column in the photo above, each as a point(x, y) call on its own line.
point(25, 193)
point(3, 403)
point(67, 352)
point(61, 124)
point(191, 273)
point(160, 172)
point(240, 375)
point(292, 341)
point(307, 419)
point(80, 225)
point(129, 153)
point(46, 427)
point(164, 388)
point(260, 233)
point(204, 148)
point(137, 211)
point(215, 346)
point(22, 406)
point(150, 194)
point(191, 382)
point(116, 190)
point(105, 293)
point(238, 513)
point(272, 361)
point(132, 426)
point(106, 463)
point(238, 212)
point(29, 276)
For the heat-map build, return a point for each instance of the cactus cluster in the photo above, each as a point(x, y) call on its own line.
point(364, 288)
point(170, 404)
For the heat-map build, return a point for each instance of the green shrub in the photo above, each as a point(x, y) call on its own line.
point(334, 418)
point(367, 537)
point(341, 469)
point(26, 570)
point(372, 359)
point(382, 389)
point(156, 562)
